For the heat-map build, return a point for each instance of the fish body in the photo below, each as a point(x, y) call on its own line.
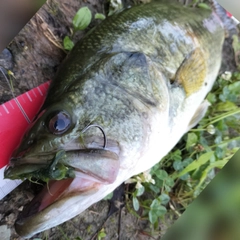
point(121, 100)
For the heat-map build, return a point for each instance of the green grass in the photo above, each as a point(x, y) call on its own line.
point(179, 178)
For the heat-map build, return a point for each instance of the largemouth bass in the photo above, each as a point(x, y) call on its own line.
point(121, 100)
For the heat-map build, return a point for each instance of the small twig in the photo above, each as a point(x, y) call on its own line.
point(119, 222)
point(174, 210)
point(48, 31)
point(93, 212)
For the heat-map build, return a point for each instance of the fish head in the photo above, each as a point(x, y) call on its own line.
point(51, 147)
point(73, 158)
point(83, 145)
point(98, 121)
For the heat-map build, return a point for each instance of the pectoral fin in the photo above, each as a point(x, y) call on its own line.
point(192, 73)
point(199, 114)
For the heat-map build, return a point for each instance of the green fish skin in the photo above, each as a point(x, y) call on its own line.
point(121, 100)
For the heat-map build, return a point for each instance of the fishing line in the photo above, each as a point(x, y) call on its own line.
point(15, 99)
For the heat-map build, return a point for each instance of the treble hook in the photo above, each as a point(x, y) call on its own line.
point(101, 129)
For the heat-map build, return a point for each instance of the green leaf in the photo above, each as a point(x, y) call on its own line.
point(161, 174)
point(109, 196)
point(225, 106)
point(211, 98)
point(220, 152)
point(99, 16)
point(221, 126)
point(101, 234)
point(187, 161)
point(167, 188)
point(152, 216)
point(140, 191)
point(185, 177)
point(156, 210)
point(68, 43)
point(204, 158)
point(225, 94)
point(164, 198)
point(176, 155)
point(218, 164)
point(156, 188)
point(203, 5)
point(169, 182)
point(234, 87)
point(82, 18)
point(135, 204)
point(218, 139)
point(192, 139)
point(178, 165)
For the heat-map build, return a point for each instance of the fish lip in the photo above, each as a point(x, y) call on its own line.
point(31, 219)
point(22, 160)
point(32, 159)
point(19, 166)
point(55, 165)
point(34, 206)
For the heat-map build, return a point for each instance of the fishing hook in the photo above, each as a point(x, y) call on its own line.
point(101, 129)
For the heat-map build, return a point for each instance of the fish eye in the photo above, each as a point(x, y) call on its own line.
point(59, 123)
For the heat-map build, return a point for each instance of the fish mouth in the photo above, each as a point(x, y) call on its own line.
point(68, 174)
point(36, 214)
point(100, 164)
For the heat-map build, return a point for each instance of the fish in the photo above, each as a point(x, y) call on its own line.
point(120, 101)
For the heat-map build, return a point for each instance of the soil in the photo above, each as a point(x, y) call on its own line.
point(34, 56)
